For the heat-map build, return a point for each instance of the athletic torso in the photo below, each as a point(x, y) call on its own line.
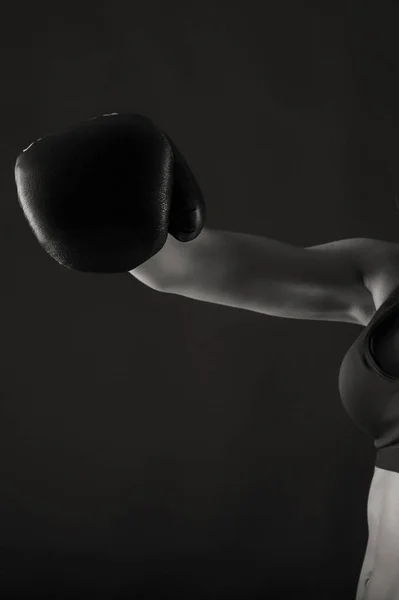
point(379, 576)
point(369, 386)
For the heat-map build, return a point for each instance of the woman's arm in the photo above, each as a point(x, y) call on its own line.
point(263, 275)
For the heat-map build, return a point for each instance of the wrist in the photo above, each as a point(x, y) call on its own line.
point(170, 265)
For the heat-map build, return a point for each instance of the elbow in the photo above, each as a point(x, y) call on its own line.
point(157, 284)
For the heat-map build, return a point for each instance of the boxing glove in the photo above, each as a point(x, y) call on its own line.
point(103, 195)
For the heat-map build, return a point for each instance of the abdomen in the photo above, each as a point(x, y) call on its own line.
point(379, 577)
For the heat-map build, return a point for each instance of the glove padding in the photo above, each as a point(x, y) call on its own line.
point(102, 196)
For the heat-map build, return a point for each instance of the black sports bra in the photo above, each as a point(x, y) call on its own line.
point(369, 394)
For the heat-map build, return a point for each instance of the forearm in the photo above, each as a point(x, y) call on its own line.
point(228, 268)
point(260, 274)
point(197, 269)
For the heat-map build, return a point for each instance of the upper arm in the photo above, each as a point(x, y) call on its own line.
point(324, 282)
point(347, 263)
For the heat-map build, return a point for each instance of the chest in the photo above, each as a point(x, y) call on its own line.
point(385, 344)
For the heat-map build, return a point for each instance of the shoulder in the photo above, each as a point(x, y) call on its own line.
point(379, 261)
point(375, 264)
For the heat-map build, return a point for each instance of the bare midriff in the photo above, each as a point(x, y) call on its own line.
point(379, 577)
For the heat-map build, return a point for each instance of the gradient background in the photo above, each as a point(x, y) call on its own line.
point(157, 447)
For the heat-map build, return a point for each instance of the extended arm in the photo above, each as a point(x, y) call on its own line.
point(263, 275)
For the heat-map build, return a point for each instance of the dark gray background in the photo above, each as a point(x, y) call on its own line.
point(153, 446)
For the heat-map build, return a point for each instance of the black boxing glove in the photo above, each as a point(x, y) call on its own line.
point(187, 214)
point(102, 196)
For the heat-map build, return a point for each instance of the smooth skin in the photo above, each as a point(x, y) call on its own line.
point(345, 281)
